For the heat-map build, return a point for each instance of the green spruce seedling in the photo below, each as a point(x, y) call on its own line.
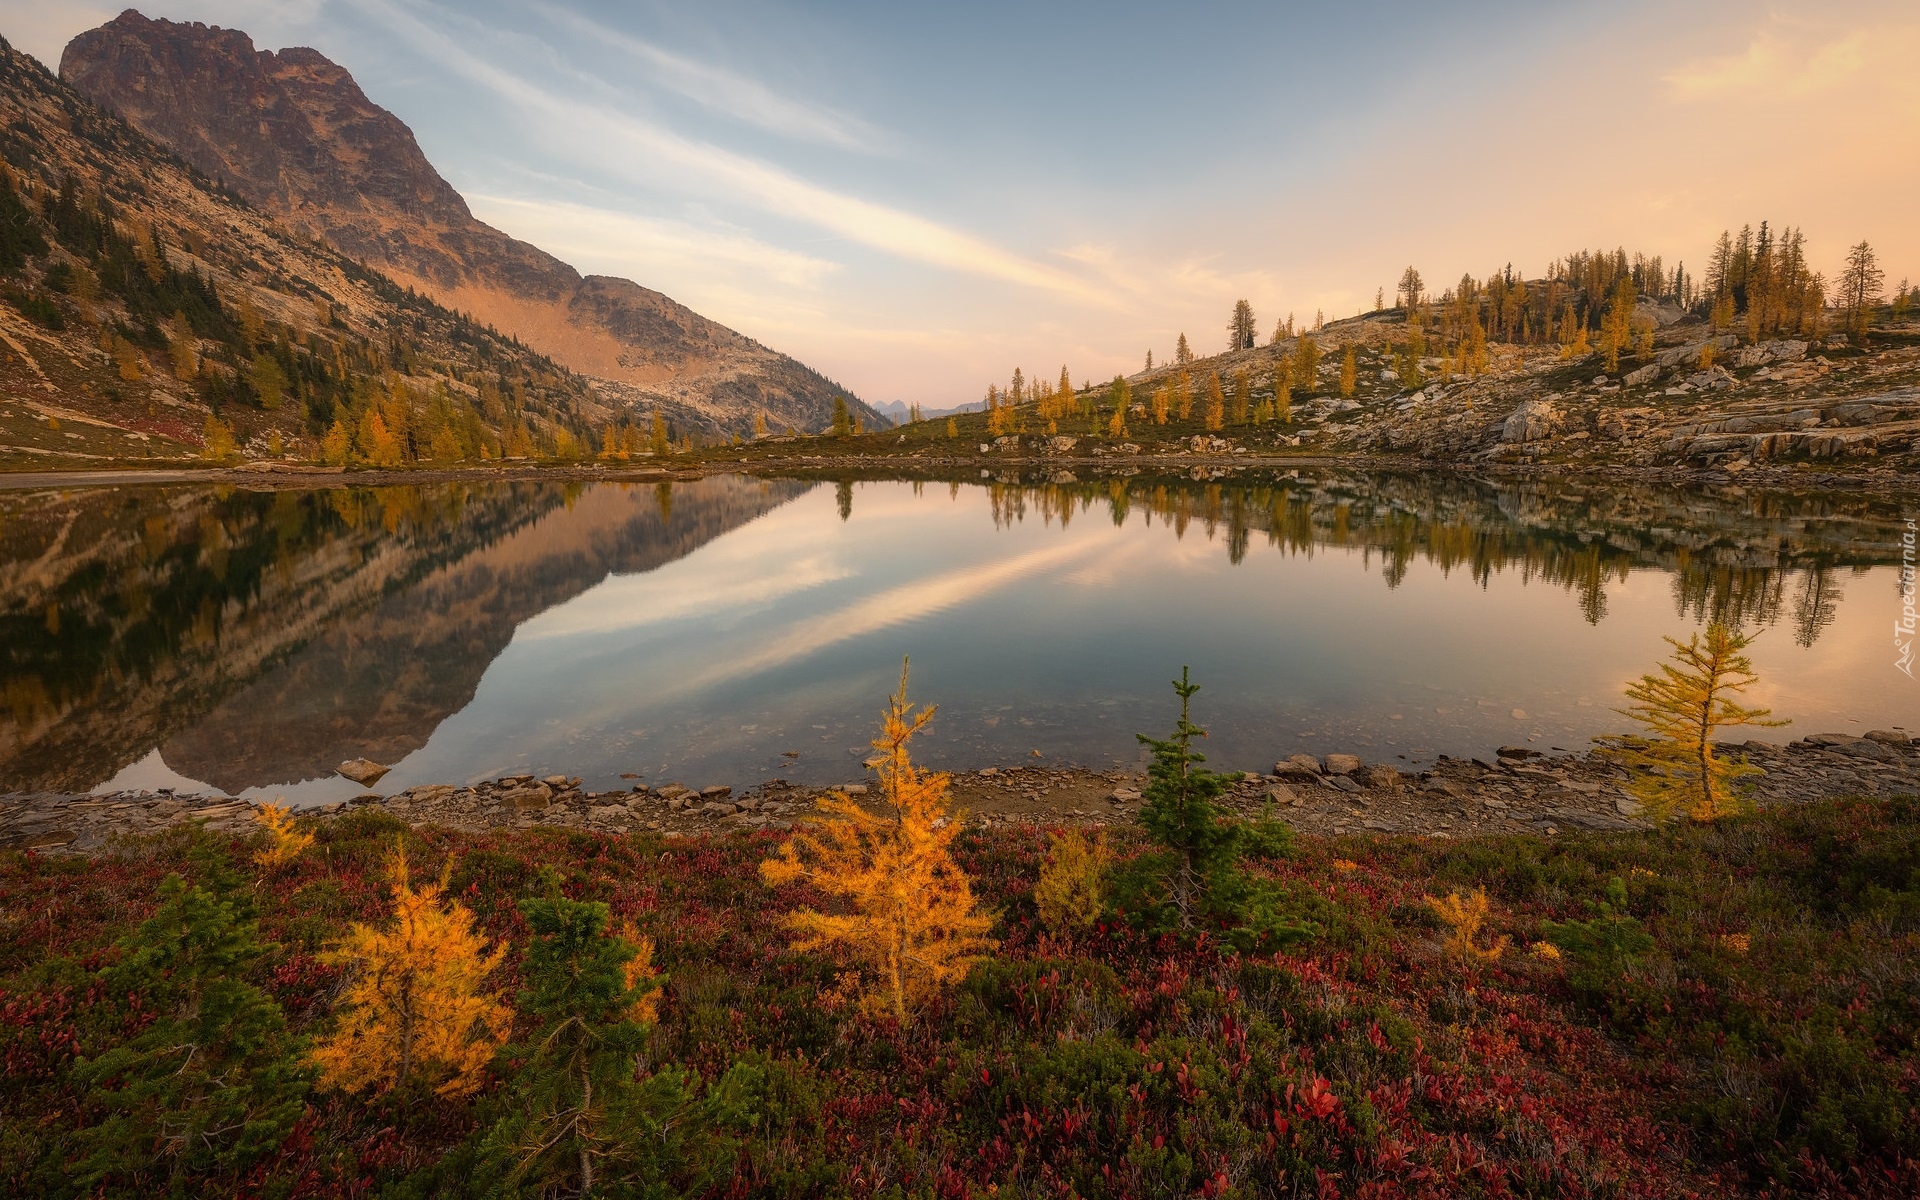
point(1180, 813)
point(214, 1083)
point(581, 1118)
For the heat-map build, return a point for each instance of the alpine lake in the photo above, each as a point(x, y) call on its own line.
point(737, 629)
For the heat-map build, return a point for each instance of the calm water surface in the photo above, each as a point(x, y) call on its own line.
point(735, 630)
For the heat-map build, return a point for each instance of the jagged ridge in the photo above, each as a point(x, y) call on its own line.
point(293, 133)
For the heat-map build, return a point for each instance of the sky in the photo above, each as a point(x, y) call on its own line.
point(917, 198)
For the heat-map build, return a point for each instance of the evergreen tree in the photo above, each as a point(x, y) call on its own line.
point(580, 1119)
point(1241, 329)
point(1410, 289)
point(1860, 287)
point(842, 420)
point(213, 1082)
point(1182, 353)
point(1194, 880)
point(1180, 812)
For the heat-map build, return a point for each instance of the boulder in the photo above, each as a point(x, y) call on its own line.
point(1660, 312)
point(1298, 765)
point(1888, 737)
point(536, 795)
point(1646, 374)
point(1382, 778)
point(1532, 421)
point(718, 791)
point(363, 771)
point(1770, 352)
point(1687, 355)
point(1343, 764)
point(1061, 445)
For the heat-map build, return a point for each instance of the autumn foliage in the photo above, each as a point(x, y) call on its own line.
point(286, 842)
point(1071, 890)
point(1677, 770)
point(416, 1007)
point(909, 924)
point(1465, 914)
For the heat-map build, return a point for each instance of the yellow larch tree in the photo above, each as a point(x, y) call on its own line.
point(910, 924)
point(1676, 769)
point(640, 971)
point(416, 1005)
point(1216, 402)
point(1464, 914)
point(217, 444)
point(1350, 372)
point(286, 842)
point(1283, 389)
point(1071, 891)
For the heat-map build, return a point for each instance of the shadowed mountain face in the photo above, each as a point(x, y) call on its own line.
point(263, 637)
point(294, 134)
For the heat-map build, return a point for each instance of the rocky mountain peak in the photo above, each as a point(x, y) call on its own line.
point(292, 133)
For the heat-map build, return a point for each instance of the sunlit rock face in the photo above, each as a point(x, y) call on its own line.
point(292, 133)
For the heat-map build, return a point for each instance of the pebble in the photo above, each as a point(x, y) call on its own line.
point(1454, 797)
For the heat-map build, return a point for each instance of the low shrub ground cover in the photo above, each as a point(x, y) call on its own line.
point(1717, 1010)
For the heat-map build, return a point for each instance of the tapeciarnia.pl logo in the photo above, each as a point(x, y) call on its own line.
point(1903, 629)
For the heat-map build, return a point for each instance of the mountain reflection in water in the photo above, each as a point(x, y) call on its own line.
point(703, 630)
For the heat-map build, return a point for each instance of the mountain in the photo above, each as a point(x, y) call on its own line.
point(260, 637)
point(294, 134)
point(138, 300)
point(898, 411)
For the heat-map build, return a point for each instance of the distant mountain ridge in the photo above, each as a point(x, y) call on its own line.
point(898, 410)
point(293, 133)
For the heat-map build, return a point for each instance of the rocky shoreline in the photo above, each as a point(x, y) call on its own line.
point(1517, 790)
point(1014, 465)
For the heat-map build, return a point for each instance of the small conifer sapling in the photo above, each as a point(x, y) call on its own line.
point(1677, 770)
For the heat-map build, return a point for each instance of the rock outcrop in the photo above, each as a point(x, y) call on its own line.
point(292, 133)
point(1533, 420)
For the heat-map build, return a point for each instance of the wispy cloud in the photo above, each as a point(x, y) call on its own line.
point(1802, 55)
point(726, 92)
point(608, 136)
point(583, 232)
